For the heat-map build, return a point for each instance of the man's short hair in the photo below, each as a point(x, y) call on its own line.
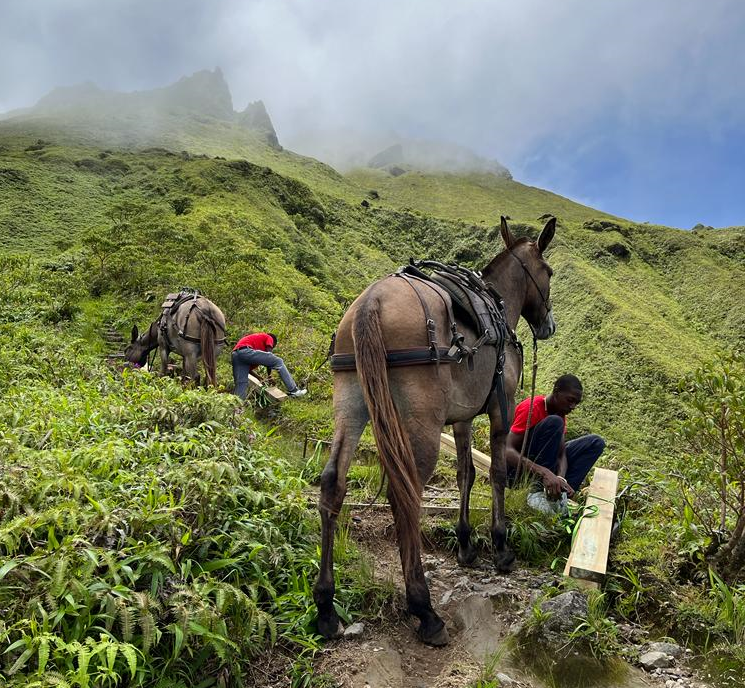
point(567, 383)
point(274, 338)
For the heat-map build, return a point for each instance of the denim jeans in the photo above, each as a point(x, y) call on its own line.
point(245, 359)
point(544, 441)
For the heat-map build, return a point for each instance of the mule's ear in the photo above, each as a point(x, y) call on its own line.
point(506, 234)
point(135, 334)
point(546, 235)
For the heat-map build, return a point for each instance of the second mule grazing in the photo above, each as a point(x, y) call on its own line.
point(190, 325)
point(408, 406)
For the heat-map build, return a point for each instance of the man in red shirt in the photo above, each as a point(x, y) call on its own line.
point(255, 350)
point(559, 466)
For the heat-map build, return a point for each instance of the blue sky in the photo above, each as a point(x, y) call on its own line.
point(634, 107)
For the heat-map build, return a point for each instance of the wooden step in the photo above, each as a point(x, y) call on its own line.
point(588, 560)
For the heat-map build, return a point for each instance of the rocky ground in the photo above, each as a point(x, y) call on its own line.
point(483, 610)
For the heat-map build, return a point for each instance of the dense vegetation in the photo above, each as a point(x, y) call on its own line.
point(144, 530)
point(146, 534)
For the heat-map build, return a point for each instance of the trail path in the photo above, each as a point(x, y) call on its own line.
point(480, 607)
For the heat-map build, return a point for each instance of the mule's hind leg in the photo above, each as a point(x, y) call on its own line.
point(426, 446)
point(191, 371)
point(466, 476)
point(333, 488)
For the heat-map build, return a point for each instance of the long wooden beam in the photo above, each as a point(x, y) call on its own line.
point(480, 460)
point(273, 392)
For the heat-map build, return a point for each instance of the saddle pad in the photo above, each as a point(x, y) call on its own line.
point(170, 300)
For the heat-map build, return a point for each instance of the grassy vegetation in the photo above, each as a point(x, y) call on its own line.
point(94, 230)
point(147, 534)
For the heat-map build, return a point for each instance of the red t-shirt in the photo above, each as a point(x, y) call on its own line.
point(260, 341)
point(539, 413)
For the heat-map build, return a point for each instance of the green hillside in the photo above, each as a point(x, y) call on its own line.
point(278, 240)
point(102, 212)
point(474, 197)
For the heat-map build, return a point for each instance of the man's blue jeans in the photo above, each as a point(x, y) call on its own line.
point(544, 441)
point(245, 359)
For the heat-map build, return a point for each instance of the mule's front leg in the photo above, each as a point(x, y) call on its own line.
point(504, 558)
point(466, 476)
point(164, 356)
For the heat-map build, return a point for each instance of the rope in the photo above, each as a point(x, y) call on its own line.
point(530, 408)
point(151, 363)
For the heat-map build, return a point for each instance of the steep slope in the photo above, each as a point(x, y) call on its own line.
point(471, 197)
point(284, 241)
point(195, 115)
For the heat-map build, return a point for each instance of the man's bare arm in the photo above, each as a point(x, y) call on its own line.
point(553, 483)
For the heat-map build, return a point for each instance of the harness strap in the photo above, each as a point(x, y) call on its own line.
point(430, 323)
point(395, 358)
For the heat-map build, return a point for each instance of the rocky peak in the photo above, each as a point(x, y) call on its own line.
point(206, 92)
point(256, 118)
point(434, 156)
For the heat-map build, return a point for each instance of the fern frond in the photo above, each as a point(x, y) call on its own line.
point(126, 620)
point(58, 584)
point(130, 654)
point(54, 678)
point(148, 630)
point(84, 657)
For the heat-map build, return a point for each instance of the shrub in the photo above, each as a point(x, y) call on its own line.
point(712, 472)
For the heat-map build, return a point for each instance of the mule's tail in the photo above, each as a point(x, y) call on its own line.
point(207, 340)
point(394, 448)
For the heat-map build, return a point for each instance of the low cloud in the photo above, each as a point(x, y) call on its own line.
point(501, 78)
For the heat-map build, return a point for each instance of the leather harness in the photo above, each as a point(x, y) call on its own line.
point(171, 306)
point(475, 300)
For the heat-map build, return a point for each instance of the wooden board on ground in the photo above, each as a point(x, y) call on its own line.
point(588, 560)
point(274, 393)
point(480, 460)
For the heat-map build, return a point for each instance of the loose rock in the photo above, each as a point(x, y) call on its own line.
point(355, 630)
point(655, 660)
point(672, 649)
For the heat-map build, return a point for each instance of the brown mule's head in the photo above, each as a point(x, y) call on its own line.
point(137, 350)
point(536, 308)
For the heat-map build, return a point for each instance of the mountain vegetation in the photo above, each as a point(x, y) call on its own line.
point(119, 490)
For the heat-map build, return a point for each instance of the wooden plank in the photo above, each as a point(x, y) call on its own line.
point(274, 392)
point(427, 509)
point(588, 560)
point(480, 460)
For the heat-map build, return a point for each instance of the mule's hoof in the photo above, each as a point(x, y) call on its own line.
point(437, 639)
point(468, 556)
point(331, 628)
point(505, 561)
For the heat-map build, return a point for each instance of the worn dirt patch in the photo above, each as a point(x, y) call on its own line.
point(480, 607)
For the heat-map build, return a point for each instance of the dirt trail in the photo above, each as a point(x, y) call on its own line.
point(480, 607)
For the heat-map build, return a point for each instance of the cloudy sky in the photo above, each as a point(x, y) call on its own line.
point(636, 107)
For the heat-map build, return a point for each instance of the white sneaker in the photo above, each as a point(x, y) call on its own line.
point(298, 393)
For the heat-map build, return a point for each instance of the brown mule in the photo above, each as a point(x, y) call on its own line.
point(196, 329)
point(409, 406)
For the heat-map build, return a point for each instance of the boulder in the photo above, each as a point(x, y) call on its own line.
point(672, 649)
point(566, 612)
point(655, 660)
